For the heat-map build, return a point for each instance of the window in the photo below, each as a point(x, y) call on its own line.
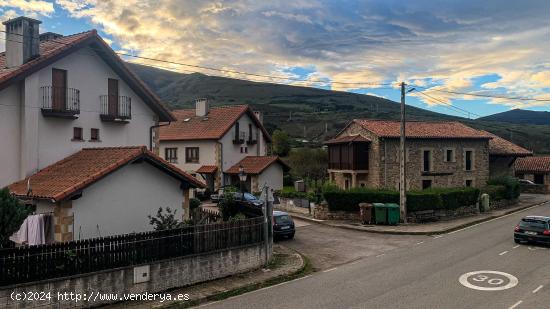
point(427, 160)
point(244, 149)
point(94, 135)
point(468, 160)
point(77, 134)
point(449, 155)
point(426, 184)
point(171, 155)
point(468, 183)
point(192, 155)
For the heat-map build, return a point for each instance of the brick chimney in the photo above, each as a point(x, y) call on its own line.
point(201, 107)
point(22, 40)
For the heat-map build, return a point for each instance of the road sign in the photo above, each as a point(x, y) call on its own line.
point(488, 280)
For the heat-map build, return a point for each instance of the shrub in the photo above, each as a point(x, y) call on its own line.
point(228, 207)
point(194, 203)
point(423, 200)
point(496, 192)
point(511, 184)
point(12, 215)
point(349, 200)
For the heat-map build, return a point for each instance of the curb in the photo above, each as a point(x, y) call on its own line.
point(303, 270)
point(428, 233)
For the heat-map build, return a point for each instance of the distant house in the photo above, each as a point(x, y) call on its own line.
point(105, 191)
point(61, 95)
point(536, 169)
point(502, 156)
point(263, 170)
point(211, 143)
point(438, 154)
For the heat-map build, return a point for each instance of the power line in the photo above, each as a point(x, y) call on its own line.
point(464, 111)
point(319, 81)
point(484, 95)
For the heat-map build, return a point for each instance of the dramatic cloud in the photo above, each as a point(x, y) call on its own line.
point(453, 45)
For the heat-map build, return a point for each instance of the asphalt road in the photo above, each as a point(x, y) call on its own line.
point(425, 274)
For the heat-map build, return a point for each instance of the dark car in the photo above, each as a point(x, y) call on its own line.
point(283, 225)
point(533, 229)
point(247, 199)
point(526, 182)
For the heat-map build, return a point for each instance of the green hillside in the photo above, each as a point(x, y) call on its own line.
point(309, 113)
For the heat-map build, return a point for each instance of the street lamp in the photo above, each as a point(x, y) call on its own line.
point(242, 177)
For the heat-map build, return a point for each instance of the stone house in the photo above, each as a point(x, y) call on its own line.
point(502, 156)
point(536, 169)
point(438, 154)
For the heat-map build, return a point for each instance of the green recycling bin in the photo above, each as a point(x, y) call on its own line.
point(393, 213)
point(380, 213)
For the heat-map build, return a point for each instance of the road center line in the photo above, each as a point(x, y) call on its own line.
point(516, 246)
point(503, 253)
point(381, 255)
point(438, 236)
point(516, 304)
point(419, 243)
point(326, 271)
point(537, 289)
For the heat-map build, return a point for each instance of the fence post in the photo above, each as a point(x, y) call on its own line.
point(266, 226)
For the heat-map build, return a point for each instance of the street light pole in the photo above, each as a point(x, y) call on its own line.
point(242, 178)
point(402, 176)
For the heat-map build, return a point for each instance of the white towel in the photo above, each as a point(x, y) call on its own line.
point(36, 234)
point(21, 236)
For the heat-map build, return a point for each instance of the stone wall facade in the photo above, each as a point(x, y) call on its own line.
point(162, 276)
point(294, 205)
point(323, 213)
point(384, 162)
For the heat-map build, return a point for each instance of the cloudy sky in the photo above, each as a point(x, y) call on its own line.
point(485, 47)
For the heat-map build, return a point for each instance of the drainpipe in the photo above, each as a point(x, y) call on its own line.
point(222, 176)
point(151, 133)
point(385, 166)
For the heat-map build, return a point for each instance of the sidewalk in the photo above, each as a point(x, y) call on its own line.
point(434, 228)
point(284, 264)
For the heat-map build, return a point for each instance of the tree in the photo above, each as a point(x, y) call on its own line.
point(165, 221)
point(309, 163)
point(12, 215)
point(281, 143)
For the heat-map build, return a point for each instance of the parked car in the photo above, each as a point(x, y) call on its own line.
point(283, 225)
point(247, 199)
point(533, 229)
point(526, 182)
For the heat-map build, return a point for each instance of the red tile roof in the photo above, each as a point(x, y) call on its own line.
point(76, 172)
point(347, 139)
point(256, 164)
point(53, 50)
point(213, 126)
point(207, 169)
point(421, 129)
point(498, 146)
point(533, 164)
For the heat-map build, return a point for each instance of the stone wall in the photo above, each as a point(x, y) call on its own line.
point(323, 213)
point(293, 205)
point(537, 189)
point(384, 162)
point(162, 276)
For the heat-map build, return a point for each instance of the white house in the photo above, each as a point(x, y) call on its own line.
point(211, 142)
point(61, 94)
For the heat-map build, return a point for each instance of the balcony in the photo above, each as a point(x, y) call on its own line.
point(238, 139)
point(60, 102)
point(115, 108)
point(251, 141)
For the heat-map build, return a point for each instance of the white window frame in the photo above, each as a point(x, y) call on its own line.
point(453, 158)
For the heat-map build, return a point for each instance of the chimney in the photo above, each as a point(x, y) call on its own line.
point(22, 40)
point(201, 107)
point(259, 116)
point(49, 36)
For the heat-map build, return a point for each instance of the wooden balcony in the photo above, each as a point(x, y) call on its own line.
point(349, 156)
point(60, 102)
point(115, 108)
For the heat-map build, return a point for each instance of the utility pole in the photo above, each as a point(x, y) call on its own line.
point(402, 178)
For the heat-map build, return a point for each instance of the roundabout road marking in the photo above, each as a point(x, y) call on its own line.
point(491, 278)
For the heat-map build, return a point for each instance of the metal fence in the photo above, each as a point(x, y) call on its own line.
point(34, 263)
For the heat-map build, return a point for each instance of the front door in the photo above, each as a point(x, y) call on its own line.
point(59, 89)
point(113, 97)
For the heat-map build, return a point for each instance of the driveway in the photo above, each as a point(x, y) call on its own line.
point(327, 247)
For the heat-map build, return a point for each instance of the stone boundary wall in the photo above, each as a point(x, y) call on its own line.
point(162, 275)
point(293, 205)
point(323, 213)
point(537, 189)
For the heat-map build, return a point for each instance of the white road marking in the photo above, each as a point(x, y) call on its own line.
point(537, 289)
point(516, 246)
point(484, 276)
point(516, 304)
point(510, 214)
point(419, 243)
point(326, 271)
point(503, 253)
point(438, 236)
point(381, 255)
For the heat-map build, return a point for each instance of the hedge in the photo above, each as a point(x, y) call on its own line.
point(431, 199)
point(511, 184)
point(496, 192)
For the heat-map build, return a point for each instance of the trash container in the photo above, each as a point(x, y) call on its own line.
point(393, 213)
point(365, 211)
point(380, 213)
